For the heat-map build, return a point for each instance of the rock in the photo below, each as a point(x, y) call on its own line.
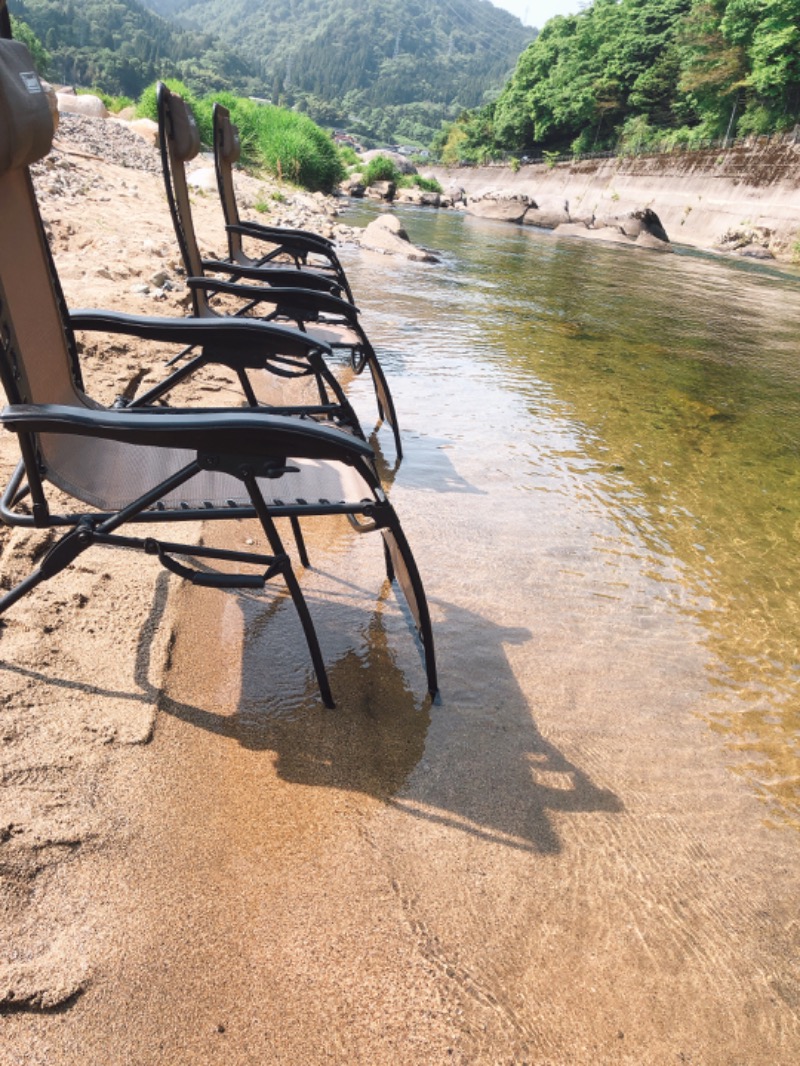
point(144, 128)
point(647, 240)
point(204, 178)
point(635, 223)
point(85, 104)
point(385, 234)
point(52, 100)
point(381, 190)
point(572, 229)
point(545, 217)
point(756, 251)
point(504, 206)
point(644, 221)
point(419, 197)
point(456, 192)
point(353, 186)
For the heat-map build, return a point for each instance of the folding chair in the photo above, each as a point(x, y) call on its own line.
point(277, 294)
point(123, 466)
point(294, 245)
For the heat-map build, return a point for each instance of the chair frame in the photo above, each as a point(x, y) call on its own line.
point(253, 448)
point(293, 244)
point(292, 300)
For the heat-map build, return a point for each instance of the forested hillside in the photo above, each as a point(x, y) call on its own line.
point(385, 69)
point(120, 47)
point(388, 69)
point(642, 72)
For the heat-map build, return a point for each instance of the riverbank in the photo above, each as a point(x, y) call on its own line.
point(702, 198)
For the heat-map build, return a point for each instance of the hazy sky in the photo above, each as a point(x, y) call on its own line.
point(537, 12)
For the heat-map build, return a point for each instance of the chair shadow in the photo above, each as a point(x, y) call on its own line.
point(474, 760)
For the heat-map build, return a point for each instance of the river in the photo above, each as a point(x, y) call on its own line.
point(658, 397)
point(585, 850)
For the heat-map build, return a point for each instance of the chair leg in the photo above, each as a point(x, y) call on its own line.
point(386, 408)
point(276, 545)
point(300, 541)
point(405, 569)
point(58, 558)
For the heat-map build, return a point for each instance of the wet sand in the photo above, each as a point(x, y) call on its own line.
point(553, 863)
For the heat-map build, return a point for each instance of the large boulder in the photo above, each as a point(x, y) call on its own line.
point(204, 178)
point(145, 128)
point(353, 186)
point(381, 190)
point(85, 104)
point(643, 221)
point(547, 215)
point(386, 235)
point(418, 197)
point(499, 204)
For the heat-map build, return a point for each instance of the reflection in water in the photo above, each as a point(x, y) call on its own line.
point(678, 379)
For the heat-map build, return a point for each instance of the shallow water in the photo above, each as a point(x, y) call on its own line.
point(622, 418)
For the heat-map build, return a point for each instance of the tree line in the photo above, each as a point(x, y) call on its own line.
point(631, 74)
point(387, 70)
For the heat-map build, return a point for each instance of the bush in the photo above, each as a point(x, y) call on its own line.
point(409, 181)
point(381, 168)
point(287, 144)
point(147, 106)
point(349, 156)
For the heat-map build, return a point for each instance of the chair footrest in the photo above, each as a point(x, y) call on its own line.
point(213, 580)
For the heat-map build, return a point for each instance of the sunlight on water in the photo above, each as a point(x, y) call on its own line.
point(661, 390)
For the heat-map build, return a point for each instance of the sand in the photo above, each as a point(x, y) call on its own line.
point(201, 865)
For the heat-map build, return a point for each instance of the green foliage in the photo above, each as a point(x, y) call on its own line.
point(23, 32)
point(121, 46)
point(636, 73)
point(348, 156)
point(287, 144)
point(416, 181)
point(147, 105)
point(388, 70)
point(381, 168)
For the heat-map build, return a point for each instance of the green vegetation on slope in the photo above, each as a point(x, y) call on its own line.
point(286, 144)
point(641, 72)
point(387, 70)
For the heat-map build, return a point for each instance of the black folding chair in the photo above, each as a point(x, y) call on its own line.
point(118, 467)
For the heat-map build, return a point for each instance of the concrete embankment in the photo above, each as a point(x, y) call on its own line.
point(699, 196)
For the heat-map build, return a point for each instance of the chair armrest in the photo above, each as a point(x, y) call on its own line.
point(241, 432)
point(299, 303)
point(251, 338)
point(300, 239)
point(287, 277)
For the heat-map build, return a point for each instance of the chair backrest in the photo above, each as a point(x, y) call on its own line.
point(179, 139)
point(227, 151)
point(5, 21)
point(38, 356)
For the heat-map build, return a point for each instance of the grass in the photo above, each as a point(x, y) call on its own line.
point(286, 144)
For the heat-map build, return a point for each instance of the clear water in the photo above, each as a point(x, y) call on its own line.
point(629, 417)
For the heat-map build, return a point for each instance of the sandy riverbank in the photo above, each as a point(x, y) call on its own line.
point(554, 864)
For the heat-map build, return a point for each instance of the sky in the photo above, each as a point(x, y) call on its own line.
point(537, 12)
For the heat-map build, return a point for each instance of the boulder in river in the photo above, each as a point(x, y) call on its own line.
point(386, 235)
point(501, 205)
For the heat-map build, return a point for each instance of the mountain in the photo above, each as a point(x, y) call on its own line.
point(386, 70)
point(390, 69)
point(121, 46)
